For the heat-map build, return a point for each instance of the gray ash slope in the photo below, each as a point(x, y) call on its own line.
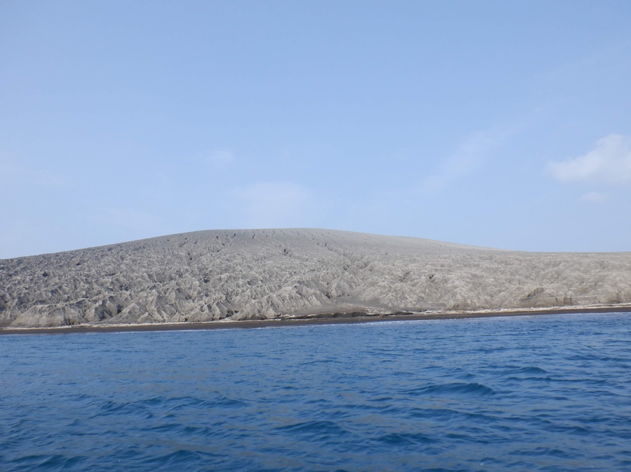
point(264, 274)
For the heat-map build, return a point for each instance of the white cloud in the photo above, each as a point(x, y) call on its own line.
point(595, 197)
point(469, 155)
point(609, 162)
point(219, 157)
point(275, 204)
point(216, 158)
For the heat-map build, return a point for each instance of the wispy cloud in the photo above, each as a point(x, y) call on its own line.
point(214, 158)
point(609, 163)
point(275, 204)
point(473, 151)
point(219, 156)
point(604, 63)
point(594, 197)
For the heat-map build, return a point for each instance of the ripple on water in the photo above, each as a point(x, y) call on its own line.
point(540, 393)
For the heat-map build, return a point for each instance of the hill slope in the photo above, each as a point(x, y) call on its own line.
point(262, 274)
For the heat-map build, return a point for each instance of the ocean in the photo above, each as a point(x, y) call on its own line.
point(545, 393)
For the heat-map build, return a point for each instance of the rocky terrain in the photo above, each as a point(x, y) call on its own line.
point(268, 274)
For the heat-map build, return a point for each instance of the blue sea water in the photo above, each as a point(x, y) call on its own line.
point(545, 393)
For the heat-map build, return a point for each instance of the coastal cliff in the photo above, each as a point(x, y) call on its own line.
point(269, 274)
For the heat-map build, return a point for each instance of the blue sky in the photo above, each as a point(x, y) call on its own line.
point(493, 123)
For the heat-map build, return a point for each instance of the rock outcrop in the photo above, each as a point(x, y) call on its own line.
point(265, 274)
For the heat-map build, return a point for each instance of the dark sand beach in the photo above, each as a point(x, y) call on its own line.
point(339, 318)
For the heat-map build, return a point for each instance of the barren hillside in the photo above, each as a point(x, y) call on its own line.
point(263, 274)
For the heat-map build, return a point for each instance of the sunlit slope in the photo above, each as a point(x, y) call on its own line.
point(259, 274)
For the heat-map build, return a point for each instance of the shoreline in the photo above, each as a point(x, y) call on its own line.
point(315, 320)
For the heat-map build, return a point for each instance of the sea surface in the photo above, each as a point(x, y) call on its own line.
point(545, 393)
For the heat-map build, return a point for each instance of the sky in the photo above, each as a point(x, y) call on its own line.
point(491, 123)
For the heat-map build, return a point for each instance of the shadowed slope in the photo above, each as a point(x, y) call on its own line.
point(262, 274)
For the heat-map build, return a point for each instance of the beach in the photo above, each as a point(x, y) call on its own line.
point(340, 318)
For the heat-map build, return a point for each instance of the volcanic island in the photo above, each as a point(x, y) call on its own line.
point(270, 277)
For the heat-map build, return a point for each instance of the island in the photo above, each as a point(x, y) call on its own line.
point(263, 277)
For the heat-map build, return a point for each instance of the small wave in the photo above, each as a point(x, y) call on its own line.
point(543, 451)
point(453, 388)
point(320, 361)
point(532, 370)
point(315, 428)
point(533, 379)
point(49, 462)
point(188, 431)
point(158, 405)
point(405, 439)
point(575, 430)
point(446, 414)
point(181, 458)
point(109, 407)
point(180, 403)
point(517, 369)
point(382, 399)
